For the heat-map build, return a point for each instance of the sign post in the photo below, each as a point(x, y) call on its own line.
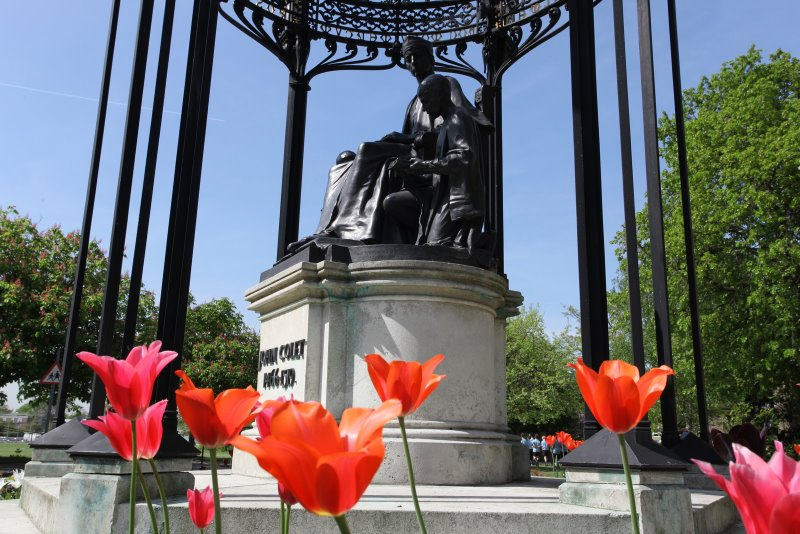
point(51, 378)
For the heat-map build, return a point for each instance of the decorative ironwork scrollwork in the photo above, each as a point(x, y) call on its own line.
point(355, 31)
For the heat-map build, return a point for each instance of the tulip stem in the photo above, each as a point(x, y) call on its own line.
point(342, 522)
point(411, 475)
point(215, 488)
point(161, 492)
point(134, 463)
point(631, 498)
point(283, 517)
point(288, 516)
point(147, 499)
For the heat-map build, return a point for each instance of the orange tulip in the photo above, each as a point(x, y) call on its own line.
point(563, 437)
point(550, 440)
point(617, 396)
point(325, 467)
point(408, 382)
point(214, 422)
point(796, 449)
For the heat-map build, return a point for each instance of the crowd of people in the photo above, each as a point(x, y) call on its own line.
point(548, 449)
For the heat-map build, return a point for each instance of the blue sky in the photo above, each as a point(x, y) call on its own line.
point(50, 70)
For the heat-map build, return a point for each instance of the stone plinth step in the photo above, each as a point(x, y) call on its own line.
point(250, 504)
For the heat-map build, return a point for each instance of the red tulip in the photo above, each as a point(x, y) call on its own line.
point(129, 382)
point(286, 495)
point(148, 431)
point(563, 437)
point(617, 396)
point(201, 506)
point(767, 494)
point(796, 449)
point(325, 466)
point(550, 440)
point(214, 422)
point(408, 382)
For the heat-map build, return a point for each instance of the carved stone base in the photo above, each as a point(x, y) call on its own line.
point(318, 321)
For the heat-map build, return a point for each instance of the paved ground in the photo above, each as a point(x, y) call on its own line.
point(13, 520)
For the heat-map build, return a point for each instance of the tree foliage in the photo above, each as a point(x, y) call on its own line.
point(743, 145)
point(541, 390)
point(220, 350)
point(37, 272)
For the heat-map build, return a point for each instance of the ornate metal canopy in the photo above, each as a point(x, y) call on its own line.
point(366, 34)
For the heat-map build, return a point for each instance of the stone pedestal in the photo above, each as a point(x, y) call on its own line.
point(662, 500)
point(319, 319)
point(49, 452)
point(94, 497)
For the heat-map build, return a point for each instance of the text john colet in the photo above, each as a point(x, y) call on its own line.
point(277, 377)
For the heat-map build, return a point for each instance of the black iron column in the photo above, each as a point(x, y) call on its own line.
point(134, 293)
point(688, 235)
point(294, 144)
point(120, 224)
point(183, 212)
point(631, 237)
point(657, 250)
point(497, 183)
point(86, 227)
point(588, 191)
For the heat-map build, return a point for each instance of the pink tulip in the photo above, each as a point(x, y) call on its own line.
point(148, 431)
point(201, 506)
point(767, 494)
point(264, 417)
point(129, 382)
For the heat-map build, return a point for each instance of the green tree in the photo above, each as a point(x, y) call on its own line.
point(37, 270)
point(541, 390)
point(743, 145)
point(220, 350)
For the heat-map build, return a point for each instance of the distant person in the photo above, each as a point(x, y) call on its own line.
point(545, 449)
point(536, 450)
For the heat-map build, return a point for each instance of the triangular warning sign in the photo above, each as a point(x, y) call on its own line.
point(52, 376)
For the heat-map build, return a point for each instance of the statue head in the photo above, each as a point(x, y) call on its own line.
point(418, 55)
point(434, 94)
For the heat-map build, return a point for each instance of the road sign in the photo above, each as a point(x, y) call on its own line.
point(53, 376)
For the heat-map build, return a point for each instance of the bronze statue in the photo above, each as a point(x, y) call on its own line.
point(359, 184)
point(452, 213)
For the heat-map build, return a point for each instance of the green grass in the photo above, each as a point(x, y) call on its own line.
point(222, 454)
point(14, 452)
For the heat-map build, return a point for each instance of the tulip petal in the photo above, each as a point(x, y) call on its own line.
point(404, 383)
point(726, 486)
point(785, 516)
point(587, 383)
point(785, 469)
point(359, 426)
point(617, 368)
point(378, 371)
point(150, 430)
point(198, 411)
point(760, 490)
point(308, 422)
point(290, 461)
point(617, 401)
point(118, 431)
point(342, 479)
point(234, 407)
point(651, 385)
